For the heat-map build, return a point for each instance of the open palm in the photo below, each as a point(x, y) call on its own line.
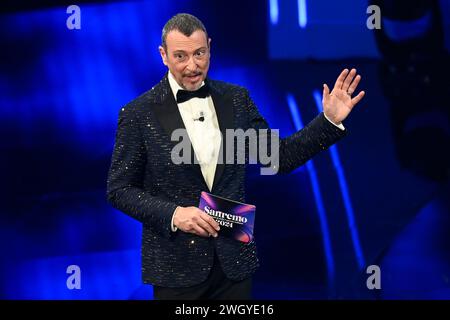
point(339, 103)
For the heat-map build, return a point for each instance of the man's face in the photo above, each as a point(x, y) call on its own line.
point(187, 58)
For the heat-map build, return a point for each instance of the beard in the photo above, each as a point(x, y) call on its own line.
point(192, 81)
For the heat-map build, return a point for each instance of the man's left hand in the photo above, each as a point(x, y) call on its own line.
point(338, 104)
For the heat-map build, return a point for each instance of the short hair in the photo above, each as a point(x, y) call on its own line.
point(185, 23)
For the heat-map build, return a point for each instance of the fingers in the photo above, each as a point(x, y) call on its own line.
point(207, 226)
point(194, 220)
point(348, 80)
point(354, 84)
point(340, 79)
point(213, 223)
point(358, 98)
point(202, 224)
point(326, 92)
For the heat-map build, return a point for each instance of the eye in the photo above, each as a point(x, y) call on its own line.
point(200, 53)
point(179, 56)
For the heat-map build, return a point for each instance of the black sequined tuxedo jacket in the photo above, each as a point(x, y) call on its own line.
point(144, 183)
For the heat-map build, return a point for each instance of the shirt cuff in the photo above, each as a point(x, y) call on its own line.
point(172, 227)
point(340, 126)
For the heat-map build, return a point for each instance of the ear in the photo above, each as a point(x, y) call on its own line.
point(163, 54)
point(209, 46)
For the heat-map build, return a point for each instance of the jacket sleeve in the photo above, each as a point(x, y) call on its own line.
point(296, 149)
point(125, 182)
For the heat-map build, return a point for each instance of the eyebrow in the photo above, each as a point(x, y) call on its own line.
point(182, 51)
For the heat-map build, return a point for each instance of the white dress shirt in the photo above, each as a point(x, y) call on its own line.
point(205, 135)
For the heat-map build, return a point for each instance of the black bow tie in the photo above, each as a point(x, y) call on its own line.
point(185, 95)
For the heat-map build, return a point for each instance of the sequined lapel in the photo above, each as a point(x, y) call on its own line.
point(166, 110)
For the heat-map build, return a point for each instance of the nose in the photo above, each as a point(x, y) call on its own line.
point(191, 65)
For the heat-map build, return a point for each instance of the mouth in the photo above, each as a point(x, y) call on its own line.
point(194, 77)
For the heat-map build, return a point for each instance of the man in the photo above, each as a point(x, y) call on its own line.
point(184, 255)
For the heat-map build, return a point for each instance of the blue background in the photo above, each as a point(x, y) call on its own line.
point(379, 197)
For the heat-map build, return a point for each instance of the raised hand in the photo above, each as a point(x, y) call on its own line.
point(339, 103)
